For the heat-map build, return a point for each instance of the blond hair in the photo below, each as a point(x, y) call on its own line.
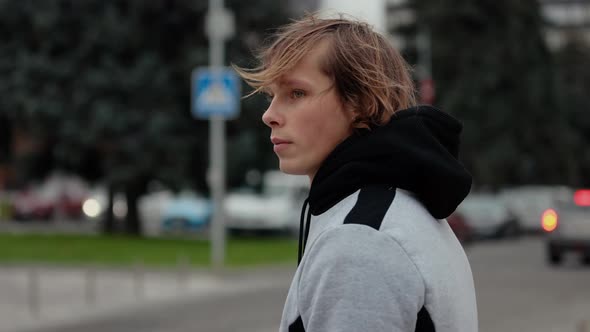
point(369, 74)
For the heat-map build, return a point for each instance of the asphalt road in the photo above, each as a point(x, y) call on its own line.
point(516, 289)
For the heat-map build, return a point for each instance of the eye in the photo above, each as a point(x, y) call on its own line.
point(296, 94)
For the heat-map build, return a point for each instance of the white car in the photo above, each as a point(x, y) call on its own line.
point(527, 203)
point(277, 208)
point(186, 212)
point(568, 227)
point(488, 216)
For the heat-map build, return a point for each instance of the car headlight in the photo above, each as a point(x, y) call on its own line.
point(91, 208)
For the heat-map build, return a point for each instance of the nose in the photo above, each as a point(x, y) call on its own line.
point(271, 117)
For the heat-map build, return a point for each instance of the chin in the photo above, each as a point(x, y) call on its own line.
point(288, 168)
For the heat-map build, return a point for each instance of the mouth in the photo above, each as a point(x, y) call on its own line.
point(279, 144)
point(279, 141)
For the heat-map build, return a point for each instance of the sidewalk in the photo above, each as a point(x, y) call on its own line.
point(41, 296)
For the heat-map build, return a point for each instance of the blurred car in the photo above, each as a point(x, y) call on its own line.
point(150, 207)
point(69, 206)
point(28, 205)
point(460, 227)
point(96, 202)
point(527, 203)
point(568, 227)
point(186, 212)
point(59, 196)
point(277, 208)
point(488, 217)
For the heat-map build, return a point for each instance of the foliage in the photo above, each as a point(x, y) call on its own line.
point(105, 86)
point(494, 72)
point(573, 82)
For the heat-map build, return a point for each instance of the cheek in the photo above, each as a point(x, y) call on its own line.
point(335, 123)
point(325, 131)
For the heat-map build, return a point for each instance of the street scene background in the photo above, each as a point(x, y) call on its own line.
point(107, 176)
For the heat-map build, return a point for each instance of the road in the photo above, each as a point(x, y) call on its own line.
point(516, 289)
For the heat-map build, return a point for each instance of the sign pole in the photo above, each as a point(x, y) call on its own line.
point(215, 95)
point(217, 150)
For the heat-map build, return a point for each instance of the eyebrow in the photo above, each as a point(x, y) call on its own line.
point(286, 82)
point(294, 81)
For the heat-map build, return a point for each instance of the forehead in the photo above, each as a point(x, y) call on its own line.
point(316, 56)
point(309, 68)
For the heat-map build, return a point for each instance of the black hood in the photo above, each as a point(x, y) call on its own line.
point(416, 151)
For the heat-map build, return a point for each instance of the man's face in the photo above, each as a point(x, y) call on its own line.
point(306, 116)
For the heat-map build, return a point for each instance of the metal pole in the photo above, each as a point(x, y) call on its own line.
point(34, 289)
point(182, 278)
point(424, 54)
point(217, 154)
point(139, 279)
point(90, 286)
point(427, 86)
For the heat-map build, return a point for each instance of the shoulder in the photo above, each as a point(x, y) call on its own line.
point(351, 241)
point(373, 230)
point(351, 250)
point(378, 206)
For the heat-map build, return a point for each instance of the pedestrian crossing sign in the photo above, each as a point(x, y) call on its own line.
point(215, 92)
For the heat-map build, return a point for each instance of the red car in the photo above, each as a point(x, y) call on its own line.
point(26, 205)
point(31, 205)
point(460, 227)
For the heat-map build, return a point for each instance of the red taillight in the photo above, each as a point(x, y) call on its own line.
point(582, 197)
point(549, 220)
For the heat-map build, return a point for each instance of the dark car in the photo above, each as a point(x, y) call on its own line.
point(568, 228)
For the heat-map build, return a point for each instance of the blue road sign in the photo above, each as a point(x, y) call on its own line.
point(215, 92)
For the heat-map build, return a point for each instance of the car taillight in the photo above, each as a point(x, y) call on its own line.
point(582, 197)
point(549, 220)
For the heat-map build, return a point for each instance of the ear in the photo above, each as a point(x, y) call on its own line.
point(350, 112)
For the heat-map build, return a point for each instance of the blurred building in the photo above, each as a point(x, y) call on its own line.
point(300, 7)
point(379, 13)
point(398, 15)
point(370, 11)
point(565, 19)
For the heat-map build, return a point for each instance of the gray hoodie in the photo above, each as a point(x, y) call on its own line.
point(379, 255)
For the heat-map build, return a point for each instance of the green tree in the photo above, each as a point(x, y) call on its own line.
point(573, 63)
point(107, 84)
point(493, 70)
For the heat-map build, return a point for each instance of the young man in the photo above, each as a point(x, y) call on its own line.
point(378, 254)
